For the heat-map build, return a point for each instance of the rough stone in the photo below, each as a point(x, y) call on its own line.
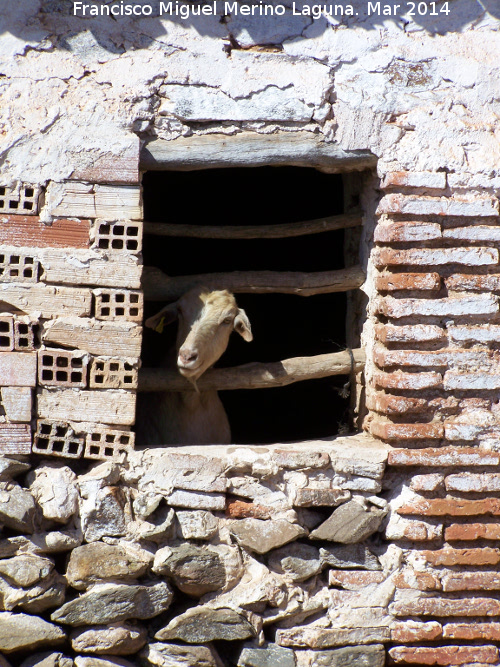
point(55, 541)
point(159, 528)
point(359, 656)
point(204, 624)
point(298, 561)
point(114, 639)
point(262, 536)
point(25, 570)
point(23, 632)
point(195, 570)
point(197, 525)
point(54, 488)
point(354, 556)
point(17, 507)
point(349, 523)
point(10, 468)
point(102, 512)
point(49, 593)
point(102, 662)
point(179, 655)
point(47, 660)
point(109, 603)
point(91, 563)
point(268, 655)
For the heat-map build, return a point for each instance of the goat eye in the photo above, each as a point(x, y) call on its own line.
point(227, 320)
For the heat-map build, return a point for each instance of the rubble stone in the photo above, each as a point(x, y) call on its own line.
point(91, 563)
point(109, 603)
point(194, 570)
point(25, 570)
point(54, 488)
point(205, 624)
point(179, 655)
point(349, 523)
point(17, 507)
point(352, 556)
point(298, 561)
point(114, 639)
point(262, 536)
point(268, 655)
point(10, 468)
point(47, 660)
point(197, 524)
point(24, 632)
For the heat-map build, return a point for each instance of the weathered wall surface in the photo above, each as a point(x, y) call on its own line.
point(422, 92)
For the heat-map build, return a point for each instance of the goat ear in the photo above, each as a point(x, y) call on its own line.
point(242, 325)
point(165, 316)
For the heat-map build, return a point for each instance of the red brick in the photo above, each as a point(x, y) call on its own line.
point(472, 631)
point(391, 282)
point(464, 282)
point(442, 607)
point(389, 405)
point(421, 581)
point(472, 381)
point(412, 381)
point(354, 580)
point(422, 205)
point(449, 556)
point(416, 531)
point(443, 655)
point(480, 304)
point(452, 507)
point(238, 509)
point(489, 233)
point(414, 333)
point(443, 456)
point(389, 431)
point(29, 231)
point(414, 631)
point(469, 482)
point(430, 482)
point(407, 231)
point(435, 257)
point(473, 531)
point(435, 180)
point(481, 333)
point(471, 581)
point(479, 358)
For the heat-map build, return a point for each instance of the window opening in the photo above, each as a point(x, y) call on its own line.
point(283, 325)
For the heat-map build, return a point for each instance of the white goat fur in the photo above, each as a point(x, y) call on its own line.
point(206, 320)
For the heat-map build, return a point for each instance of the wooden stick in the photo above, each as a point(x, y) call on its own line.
point(316, 226)
point(160, 287)
point(256, 375)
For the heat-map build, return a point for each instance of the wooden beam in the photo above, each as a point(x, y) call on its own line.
point(328, 224)
point(256, 375)
point(249, 149)
point(158, 286)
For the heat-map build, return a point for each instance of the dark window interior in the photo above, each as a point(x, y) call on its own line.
point(283, 325)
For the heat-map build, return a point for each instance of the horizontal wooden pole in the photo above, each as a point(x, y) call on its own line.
point(160, 287)
point(256, 375)
point(250, 149)
point(328, 224)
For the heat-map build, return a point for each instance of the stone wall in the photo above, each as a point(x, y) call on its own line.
point(306, 555)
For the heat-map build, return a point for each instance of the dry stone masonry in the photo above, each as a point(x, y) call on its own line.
point(379, 548)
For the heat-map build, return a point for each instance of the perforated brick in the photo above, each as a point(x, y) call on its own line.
point(120, 235)
point(57, 439)
point(18, 267)
point(112, 374)
point(23, 201)
point(24, 336)
point(112, 304)
point(6, 333)
point(61, 368)
point(108, 444)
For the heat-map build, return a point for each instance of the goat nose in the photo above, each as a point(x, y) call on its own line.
point(188, 356)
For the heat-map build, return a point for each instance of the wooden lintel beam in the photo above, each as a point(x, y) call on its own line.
point(256, 375)
point(158, 286)
point(327, 224)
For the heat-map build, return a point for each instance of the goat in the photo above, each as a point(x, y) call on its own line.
point(205, 321)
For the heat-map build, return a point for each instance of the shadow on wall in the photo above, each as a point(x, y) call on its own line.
point(33, 20)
